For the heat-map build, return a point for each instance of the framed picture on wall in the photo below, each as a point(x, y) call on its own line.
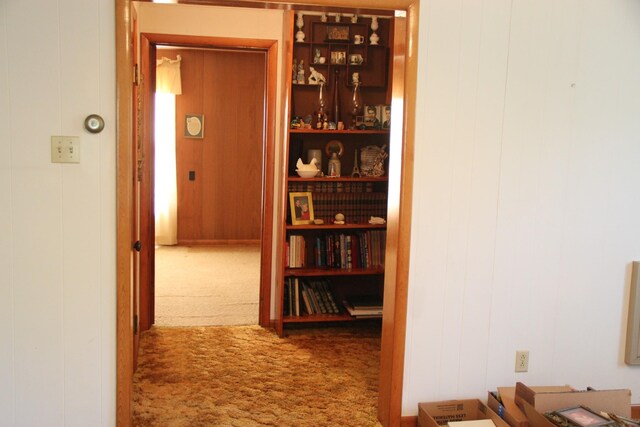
point(301, 208)
point(194, 126)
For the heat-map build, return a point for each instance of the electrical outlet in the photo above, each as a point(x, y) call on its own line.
point(522, 361)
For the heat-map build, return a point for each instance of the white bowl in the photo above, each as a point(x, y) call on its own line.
point(307, 173)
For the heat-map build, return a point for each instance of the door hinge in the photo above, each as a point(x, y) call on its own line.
point(136, 80)
point(135, 324)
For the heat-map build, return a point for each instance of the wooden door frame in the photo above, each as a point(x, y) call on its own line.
point(399, 210)
point(148, 44)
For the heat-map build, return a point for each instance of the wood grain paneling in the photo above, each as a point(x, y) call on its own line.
point(224, 200)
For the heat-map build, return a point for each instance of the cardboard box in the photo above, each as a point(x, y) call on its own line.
point(535, 405)
point(433, 414)
point(506, 407)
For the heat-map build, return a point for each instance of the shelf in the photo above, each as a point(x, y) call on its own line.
point(306, 318)
point(337, 227)
point(339, 179)
point(337, 132)
point(317, 272)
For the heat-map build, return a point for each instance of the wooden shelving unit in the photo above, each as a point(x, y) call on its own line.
point(355, 197)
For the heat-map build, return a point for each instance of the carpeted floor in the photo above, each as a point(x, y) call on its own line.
point(247, 376)
point(207, 285)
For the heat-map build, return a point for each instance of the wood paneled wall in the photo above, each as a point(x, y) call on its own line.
point(223, 203)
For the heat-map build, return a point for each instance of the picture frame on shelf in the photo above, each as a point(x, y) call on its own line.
point(371, 114)
point(583, 417)
point(338, 33)
point(338, 57)
point(301, 204)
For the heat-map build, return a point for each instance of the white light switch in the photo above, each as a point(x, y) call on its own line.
point(65, 149)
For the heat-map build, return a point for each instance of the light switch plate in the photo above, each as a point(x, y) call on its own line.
point(65, 149)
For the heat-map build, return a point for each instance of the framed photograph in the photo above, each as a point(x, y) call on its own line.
point(194, 126)
point(301, 208)
point(371, 114)
point(338, 57)
point(338, 33)
point(582, 417)
point(386, 116)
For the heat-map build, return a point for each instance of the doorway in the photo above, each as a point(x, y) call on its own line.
point(400, 185)
point(197, 229)
point(207, 255)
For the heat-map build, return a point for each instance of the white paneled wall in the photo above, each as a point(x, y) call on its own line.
point(57, 222)
point(526, 202)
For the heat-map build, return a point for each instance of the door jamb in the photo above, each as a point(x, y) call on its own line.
point(148, 44)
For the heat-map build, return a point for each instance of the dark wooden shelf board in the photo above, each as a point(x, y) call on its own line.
point(340, 179)
point(345, 131)
point(317, 272)
point(337, 227)
point(306, 318)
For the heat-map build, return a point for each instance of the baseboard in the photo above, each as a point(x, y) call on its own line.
point(410, 421)
point(188, 242)
point(635, 412)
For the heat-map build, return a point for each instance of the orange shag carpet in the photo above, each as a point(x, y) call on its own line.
point(248, 376)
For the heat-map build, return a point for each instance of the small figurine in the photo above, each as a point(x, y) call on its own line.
point(355, 173)
point(354, 18)
point(316, 77)
point(301, 72)
point(316, 57)
point(294, 77)
point(300, 24)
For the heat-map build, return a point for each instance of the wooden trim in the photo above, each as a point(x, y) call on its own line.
point(209, 42)
point(363, 7)
point(409, 421)
point(287, 58)
point(124, 317)
point(146, 282)
point(398, 218)
point(268, 186)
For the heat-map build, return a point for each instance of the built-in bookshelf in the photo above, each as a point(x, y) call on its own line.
point(338, 257)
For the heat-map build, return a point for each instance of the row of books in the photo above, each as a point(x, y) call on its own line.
point(309, 296)
point(332, 187)
point(363, 249)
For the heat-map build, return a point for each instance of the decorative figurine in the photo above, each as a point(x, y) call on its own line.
point(339, 218)
point(316, 77)
point(338, 17)
point(294, 71)
point(301, 72)
point(323, 18)
point(354, 18)
point(373, 39)
point(355, 173)
point(316, 57)
point(300, 24)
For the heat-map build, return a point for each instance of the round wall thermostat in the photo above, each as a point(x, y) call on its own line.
point(94, 123)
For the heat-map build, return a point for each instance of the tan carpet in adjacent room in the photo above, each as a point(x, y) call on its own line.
point(248, 376)
point(207, 285)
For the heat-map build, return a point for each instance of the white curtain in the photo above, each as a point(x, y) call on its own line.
point(168, 85)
